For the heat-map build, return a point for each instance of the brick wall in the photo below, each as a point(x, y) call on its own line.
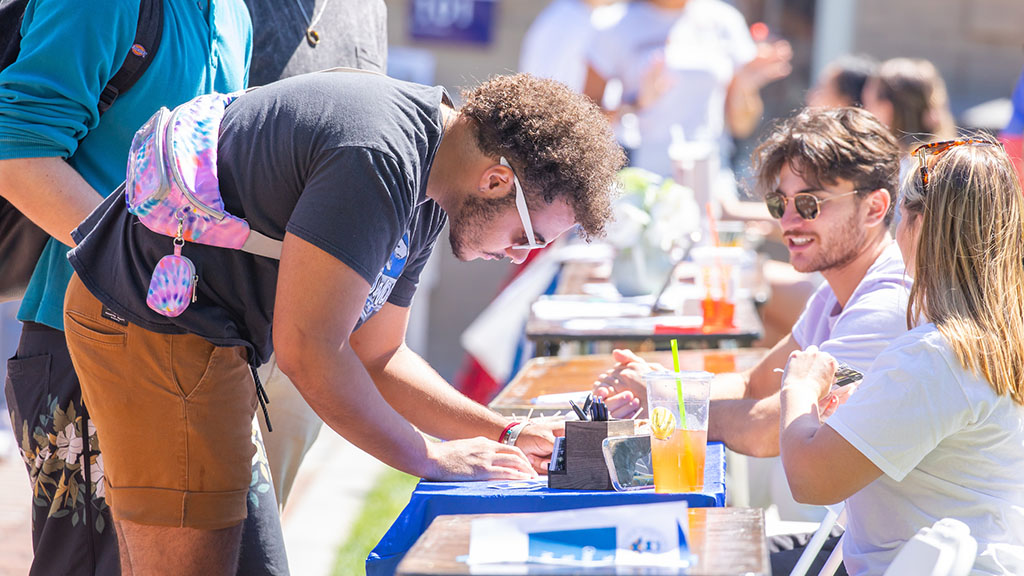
point(461, 65)
point(977, 45)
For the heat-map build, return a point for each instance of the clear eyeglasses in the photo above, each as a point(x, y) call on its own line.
point(524, 214)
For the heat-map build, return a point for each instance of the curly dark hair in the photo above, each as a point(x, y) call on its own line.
point(557, 140)
point(824, 145)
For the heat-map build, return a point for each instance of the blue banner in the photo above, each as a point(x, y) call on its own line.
point(460, 21)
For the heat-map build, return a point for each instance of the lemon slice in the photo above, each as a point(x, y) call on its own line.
point(663, 423)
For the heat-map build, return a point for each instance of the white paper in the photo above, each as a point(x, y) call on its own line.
point(634, 535)
point(645, 324)
point(561, 398)
point(564, 308)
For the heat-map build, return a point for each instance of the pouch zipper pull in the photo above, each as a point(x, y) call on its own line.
point(179, 241)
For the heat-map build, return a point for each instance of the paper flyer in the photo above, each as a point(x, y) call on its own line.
point(634, 535)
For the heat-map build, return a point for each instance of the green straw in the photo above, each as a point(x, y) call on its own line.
point(679, 383)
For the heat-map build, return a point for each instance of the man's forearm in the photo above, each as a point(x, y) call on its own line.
point(424, 398)
point(746, 426)
point(729, 386)
point(49, 192)
point(354, 409)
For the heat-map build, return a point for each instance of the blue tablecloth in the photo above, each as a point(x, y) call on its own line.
point(431, 499)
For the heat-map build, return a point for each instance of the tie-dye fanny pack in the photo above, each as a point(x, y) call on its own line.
point(172, 188)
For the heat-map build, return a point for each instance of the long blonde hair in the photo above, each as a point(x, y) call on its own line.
point(969, 267)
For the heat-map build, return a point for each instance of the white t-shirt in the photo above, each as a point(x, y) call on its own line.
point(874, 316)
point(702, 44)
point(947, 445)
point(555, 45)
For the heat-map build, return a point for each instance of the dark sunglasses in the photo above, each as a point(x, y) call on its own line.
point(927, 153)
point(807, 205)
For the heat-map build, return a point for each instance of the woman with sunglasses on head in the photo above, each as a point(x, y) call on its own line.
point(936, 428)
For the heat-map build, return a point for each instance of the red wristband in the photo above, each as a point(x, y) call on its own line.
point(504, 433)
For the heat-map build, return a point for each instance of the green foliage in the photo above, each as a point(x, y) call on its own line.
point(381, 507)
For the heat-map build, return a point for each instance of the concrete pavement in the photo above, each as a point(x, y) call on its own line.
point(326, 498)
point(15, 513)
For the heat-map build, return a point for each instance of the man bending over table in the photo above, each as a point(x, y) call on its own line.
point(358, 173)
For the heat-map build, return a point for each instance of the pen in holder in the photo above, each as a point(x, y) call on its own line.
point(577, 462)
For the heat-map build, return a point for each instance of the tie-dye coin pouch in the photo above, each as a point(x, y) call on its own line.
point(173, 285)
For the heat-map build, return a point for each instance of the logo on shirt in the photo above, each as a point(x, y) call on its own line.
point(387, 279)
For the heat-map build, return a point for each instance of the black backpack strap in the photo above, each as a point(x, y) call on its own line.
point(11, 15)
point(147, 39)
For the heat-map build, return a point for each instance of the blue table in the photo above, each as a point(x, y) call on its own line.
point(432, 499)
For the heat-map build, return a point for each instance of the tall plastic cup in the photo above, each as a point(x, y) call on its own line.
point(730, 233)
point(718, 274)
point(679, 439)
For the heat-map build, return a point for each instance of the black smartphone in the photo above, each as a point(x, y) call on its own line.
point(557, 463)
point(846, 375)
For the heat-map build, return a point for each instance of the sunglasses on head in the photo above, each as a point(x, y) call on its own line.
point(807, 205)
point(928, 153)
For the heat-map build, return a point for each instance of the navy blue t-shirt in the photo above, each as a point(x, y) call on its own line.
point(339, 159)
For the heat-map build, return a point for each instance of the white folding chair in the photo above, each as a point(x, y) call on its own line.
point(944, 549)
point(835, 559)
point(836, 513)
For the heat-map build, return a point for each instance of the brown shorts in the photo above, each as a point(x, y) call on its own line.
point(174, 415)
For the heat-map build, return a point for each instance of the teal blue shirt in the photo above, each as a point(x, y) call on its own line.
point(69, 52)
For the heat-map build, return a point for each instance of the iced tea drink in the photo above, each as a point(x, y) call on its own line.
point(678, 439)
point(678, 462)
point(718, 315)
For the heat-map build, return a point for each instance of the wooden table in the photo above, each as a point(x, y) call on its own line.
point(555, 320)
point(727, 542)
point(548, 375)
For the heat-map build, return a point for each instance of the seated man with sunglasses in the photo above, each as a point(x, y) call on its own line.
point(830, 178)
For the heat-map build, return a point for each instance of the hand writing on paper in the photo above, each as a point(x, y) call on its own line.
point(622, 387)
point(477, 459)
point(537, 440)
